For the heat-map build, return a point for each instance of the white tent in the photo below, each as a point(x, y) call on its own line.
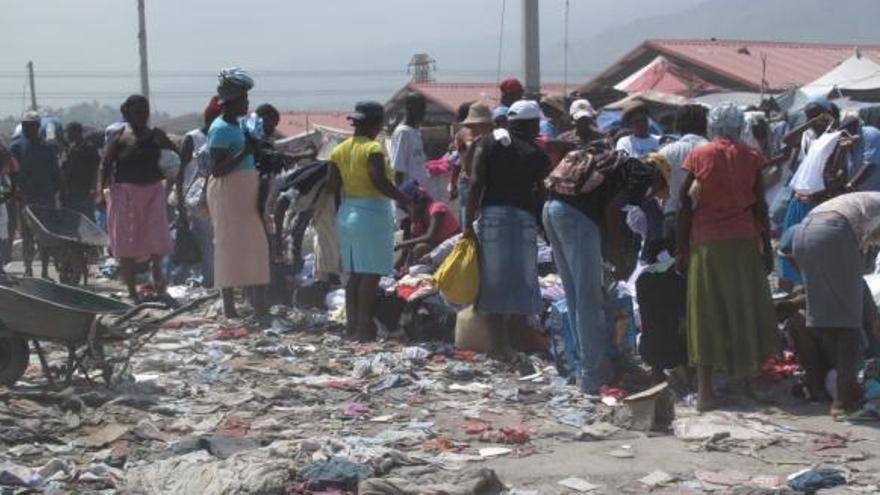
point(857, 77)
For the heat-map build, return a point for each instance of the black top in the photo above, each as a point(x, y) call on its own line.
point(138, 163)
point(513, 173)
point(80, 171)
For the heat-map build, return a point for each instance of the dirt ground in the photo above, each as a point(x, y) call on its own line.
point(556, 451)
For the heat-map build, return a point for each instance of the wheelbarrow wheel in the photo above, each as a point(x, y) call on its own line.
point(14, 357)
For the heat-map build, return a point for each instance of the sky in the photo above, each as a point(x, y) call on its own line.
point(305, 54)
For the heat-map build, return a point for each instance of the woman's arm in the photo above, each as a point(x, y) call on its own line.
point(111, 152)
point(165, 142)
point(376, 164)
point(431, 233)
point(684, 224)
point(478, 187)
point(762, 220)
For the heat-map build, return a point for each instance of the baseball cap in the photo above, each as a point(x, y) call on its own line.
point(499, 112)
point(525, 110)
point(366, 111)
point(580, 109)
point(31, 116)
point(511, 85)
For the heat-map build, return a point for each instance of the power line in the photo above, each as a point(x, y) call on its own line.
point(565, 51)
point(500, 41)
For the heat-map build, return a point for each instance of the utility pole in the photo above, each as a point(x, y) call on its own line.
point(531, 47)
point(142, 45)
point(30, 68)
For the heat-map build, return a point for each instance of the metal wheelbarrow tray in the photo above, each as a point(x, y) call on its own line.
point(67, 235)
point(38, 310)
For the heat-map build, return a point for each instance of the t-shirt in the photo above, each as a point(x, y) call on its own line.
point(866, 150)
point(862, 212)
point(513, 172)
point(39, 177)
point(351, 157)
point(675, 153)
point(726, 171)
point(638, 147)
point(408, 154)
point(80, 171)
point(228, 137)
point(448, 226)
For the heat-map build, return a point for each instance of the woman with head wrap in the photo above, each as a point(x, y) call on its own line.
point(507, 191)
point(361, 174)
point(724, 244)
point(241, 250)
point(137, 220)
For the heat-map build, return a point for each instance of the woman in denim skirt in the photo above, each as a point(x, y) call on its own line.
point(507, 190)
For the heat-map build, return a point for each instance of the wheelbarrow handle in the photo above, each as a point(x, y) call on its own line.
point(139, 309)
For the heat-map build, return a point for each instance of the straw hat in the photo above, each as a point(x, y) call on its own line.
point(478, 114)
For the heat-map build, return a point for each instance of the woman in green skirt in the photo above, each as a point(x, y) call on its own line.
point(725, 248)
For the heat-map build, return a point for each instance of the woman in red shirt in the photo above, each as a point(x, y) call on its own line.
point(723, 234)
point(432, 223)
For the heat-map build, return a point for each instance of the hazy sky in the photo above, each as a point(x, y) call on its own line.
point(340, 50)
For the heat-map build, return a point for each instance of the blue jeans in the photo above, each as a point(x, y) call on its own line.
point(464, 192)
point(780, 206)
point(203, 232)
point(577, 251)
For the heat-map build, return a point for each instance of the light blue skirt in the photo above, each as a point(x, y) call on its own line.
point(366, 235)
point(508, 262)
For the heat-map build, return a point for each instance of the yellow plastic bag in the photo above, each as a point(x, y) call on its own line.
point(458, 278)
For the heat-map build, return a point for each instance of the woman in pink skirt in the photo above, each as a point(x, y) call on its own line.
point(137, 218)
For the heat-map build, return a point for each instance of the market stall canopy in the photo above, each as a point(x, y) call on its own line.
point(857, 77)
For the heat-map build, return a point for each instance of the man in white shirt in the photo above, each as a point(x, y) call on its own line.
point(640, 142)
point(690, 123)
point(407, 150)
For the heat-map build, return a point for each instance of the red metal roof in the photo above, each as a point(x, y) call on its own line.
point(295, 123)
point(451, 95)
point(788, 63)
point(667, 77)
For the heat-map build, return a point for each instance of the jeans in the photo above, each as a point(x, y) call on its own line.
point(203, 232)
point(780, 206)
point(577, 251)
point(464, 192)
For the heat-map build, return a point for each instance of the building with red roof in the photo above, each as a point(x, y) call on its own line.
point(725, 65)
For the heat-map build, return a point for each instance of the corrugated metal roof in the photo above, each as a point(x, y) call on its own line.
point(296, 123)
point(788, 63)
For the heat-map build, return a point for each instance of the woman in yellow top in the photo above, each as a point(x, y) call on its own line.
point(365, 221)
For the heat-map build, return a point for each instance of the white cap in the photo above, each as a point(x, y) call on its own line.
point(525, 110)
point(580, 109)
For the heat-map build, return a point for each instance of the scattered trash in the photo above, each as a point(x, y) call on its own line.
point(579, 485)
point(489, 452)
point(811, 480)
point(657, 478)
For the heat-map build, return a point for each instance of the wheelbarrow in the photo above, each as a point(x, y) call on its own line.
point(38, 310)
point(68, 236)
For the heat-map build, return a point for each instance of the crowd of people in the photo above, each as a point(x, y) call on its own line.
point(692, 199)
